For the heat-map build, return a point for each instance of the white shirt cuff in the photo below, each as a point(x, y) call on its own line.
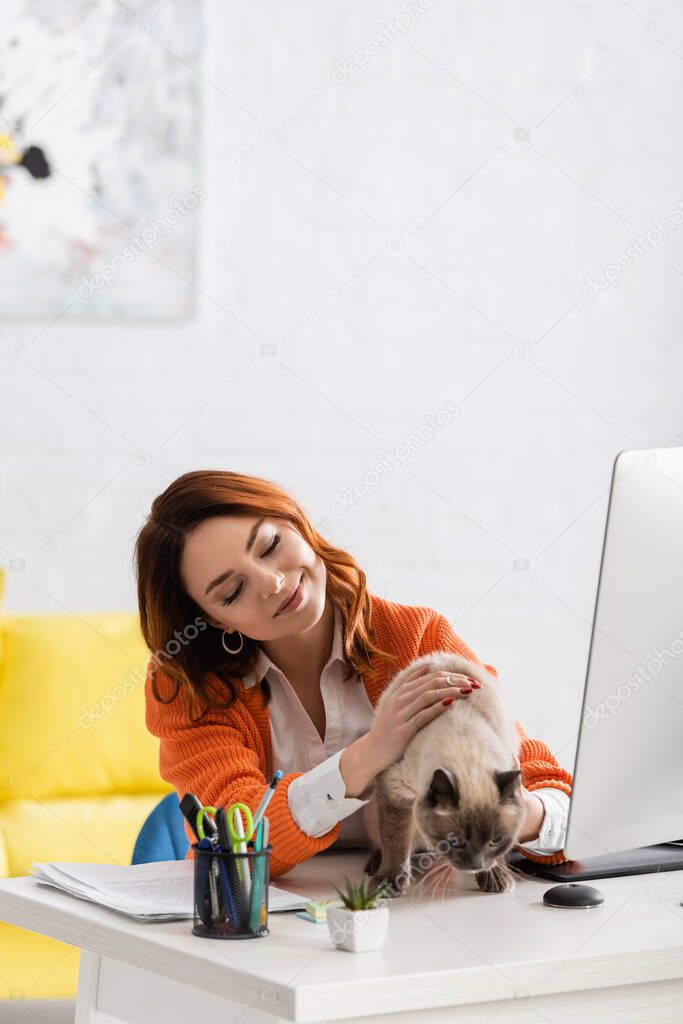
point(316, 799)
point(553, 830)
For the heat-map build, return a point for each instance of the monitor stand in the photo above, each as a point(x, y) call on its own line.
point(639, 861)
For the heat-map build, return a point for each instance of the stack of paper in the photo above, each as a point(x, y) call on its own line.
point(158, 891)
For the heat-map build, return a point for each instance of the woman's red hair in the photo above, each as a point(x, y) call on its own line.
point(166, 609)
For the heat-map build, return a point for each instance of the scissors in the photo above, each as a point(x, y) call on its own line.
point(219, 841)
point(239, 833)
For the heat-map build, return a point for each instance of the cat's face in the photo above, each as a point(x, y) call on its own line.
point(471, 835)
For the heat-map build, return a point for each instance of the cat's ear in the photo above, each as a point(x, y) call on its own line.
point(443, 790)
point(507, 783)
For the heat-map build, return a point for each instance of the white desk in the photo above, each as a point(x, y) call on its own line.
point(471, 957)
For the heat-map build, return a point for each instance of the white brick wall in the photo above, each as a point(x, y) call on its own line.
point(480, 304)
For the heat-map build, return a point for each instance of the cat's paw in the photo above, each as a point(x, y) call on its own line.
point(394, 879)
point(498, 878)
point(373, 862)
point(391, 887)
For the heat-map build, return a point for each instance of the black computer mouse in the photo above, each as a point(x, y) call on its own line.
point(573, 894)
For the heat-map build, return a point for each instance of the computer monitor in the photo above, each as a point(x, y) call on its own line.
point(626, 811)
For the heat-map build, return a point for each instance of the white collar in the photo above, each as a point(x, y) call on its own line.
point(265, 667)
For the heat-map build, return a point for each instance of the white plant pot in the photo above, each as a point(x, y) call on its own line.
point(358, 930)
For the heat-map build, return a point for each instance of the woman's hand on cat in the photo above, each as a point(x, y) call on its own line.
point(418, 701)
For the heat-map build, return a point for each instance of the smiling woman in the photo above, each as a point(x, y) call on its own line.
point(294, 655)
point(239, 550)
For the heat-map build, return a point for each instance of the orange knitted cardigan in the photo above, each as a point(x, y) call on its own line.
point(226, 756)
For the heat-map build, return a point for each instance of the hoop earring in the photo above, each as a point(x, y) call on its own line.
point(228, 649)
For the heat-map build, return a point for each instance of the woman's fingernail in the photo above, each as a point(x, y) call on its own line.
point(466, 689)
point(476, 685)
point(447, 701)
point(470, 679)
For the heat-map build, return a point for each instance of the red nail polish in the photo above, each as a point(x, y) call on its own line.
point(447, 701)
point(466, 689)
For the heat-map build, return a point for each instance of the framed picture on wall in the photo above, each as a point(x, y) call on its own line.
point(100, 172)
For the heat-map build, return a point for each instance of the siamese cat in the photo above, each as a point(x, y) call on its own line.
point(454, 797)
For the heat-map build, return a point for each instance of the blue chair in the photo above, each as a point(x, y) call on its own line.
point(162, 837)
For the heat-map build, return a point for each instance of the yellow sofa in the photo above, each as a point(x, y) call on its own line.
point(78, 769)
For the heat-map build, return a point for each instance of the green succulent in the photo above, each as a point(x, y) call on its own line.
point(359, 897)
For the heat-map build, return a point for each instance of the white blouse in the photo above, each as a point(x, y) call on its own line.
point(317, 799)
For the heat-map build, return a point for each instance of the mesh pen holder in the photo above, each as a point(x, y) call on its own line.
point(231, 893)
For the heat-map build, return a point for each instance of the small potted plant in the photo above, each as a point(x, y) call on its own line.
point(361, 923)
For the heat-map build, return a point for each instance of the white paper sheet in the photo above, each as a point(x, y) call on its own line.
point(158, 891)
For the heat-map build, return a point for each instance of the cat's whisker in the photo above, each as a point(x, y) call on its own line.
point(517, 872)
point(450, 881)
point(421, 884)
point(426, 883)
point(437, 880)
point(436, 877)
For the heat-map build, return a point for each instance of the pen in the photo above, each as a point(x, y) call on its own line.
point(227, 890)
point(210, 843)
point(257, 882)
point(266, 839)
point(208, 894)
point(232, 880)
point(267, 796)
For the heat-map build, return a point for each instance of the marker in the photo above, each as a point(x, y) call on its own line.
point(267, 797)
point(190, 805)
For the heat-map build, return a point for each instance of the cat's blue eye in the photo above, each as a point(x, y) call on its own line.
point(497, 840)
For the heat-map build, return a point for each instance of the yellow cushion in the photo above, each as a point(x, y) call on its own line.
point(78, 769)
point(35, 967)
point(2, 598)
point(72, 715)
point(4, 861)
point(73, 828)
